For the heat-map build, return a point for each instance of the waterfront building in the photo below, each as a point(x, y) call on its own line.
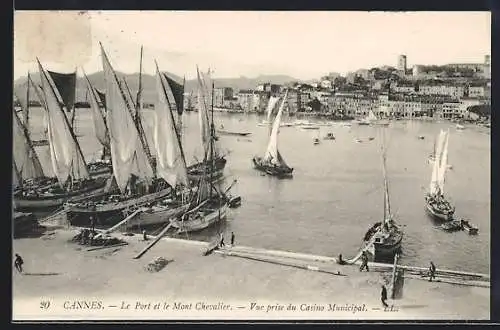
point(478, 90)
point(441, 88)
point(246, 99)
point(293, 101)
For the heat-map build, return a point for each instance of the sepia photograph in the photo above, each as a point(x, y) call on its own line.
point(251, 165)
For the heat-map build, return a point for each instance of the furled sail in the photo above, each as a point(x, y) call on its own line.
point(24, 155)
point(98, 116)
point(66, 155)
point(272, 154)
point(443, 163)
point(170, 161)
point(127, 152)
point(273, 100)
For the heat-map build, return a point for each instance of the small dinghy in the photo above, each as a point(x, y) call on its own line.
point(468, 227)
point(451, 226)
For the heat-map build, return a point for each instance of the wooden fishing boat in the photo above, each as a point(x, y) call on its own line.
point(134, 177)
point(200, 169)
point(273, 163)
point(202, 217)
point(67, 158)
point(437, 206)
point(383, 239)
point(329, 136)
point(226, 132)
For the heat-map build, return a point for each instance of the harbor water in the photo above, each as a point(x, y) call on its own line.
point(336, 193)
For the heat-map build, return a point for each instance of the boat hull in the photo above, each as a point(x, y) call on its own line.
point(199, 170)
point(384, 249)
point(435, 213)
point(158, 216)
point(201, 222)
point(48, 201)
point(108, 213)
point(278, 171)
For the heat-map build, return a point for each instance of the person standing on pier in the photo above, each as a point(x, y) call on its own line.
point(221, 244)
point(364, 262)
point(232, 238)
point(18, 263)
point(383, 296)
point(92, 223)
point(432, 271)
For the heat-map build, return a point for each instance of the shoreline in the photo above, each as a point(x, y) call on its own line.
point(65, 273)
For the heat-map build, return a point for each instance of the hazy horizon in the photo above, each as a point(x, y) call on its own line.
point(303, 45)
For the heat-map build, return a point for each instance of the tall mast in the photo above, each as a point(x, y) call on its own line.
point(26, 117)
point(212, 137)
point(139, 91)
point(387, 204)
point(73, 111)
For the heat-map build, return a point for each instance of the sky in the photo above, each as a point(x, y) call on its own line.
point(301, 44)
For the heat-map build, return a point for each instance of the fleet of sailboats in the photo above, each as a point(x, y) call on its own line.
point(153, 184)
point(68, 163)
point(436, 203)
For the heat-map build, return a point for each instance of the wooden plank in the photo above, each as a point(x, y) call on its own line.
point(146, 249)
point(107, 231)
point(107, 246)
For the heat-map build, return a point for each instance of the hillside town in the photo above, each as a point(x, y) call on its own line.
point(452, 91)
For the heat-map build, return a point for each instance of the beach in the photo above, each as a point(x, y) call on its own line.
point(62, 280)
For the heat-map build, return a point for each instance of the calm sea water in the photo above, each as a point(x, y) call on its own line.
point(336, 193)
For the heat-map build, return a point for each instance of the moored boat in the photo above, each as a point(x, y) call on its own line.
point(383, 240)
point(468, 227)
point(452, 225)
point(329, 136)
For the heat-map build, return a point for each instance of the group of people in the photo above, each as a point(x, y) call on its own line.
point(221, 240)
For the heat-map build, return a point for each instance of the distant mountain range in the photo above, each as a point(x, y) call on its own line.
point(149, 83)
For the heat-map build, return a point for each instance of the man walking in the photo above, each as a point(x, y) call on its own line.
point(383, 296)
point(232, 238)
point(364, 262)
point(18, 263)
point(221, 244)
point(432, 271)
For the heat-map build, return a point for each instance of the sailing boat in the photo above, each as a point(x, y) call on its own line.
point(133, 170)
point(383, 239)
point(273, 163)
point(67, 159)
point(436, 204)
point(27, 169)
point(103, 165)
point(204, 168)
point(210, 204)
point(170, 160)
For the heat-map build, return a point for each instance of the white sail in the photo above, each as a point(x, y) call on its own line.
point(434, 185)
point(127, 153)
point(16, 176)
point(203, 113)
point(66, 155)
point(24, 155)
point(98, 116)
point(170, 162)
point(273, 100)
point(272, 154)
point(443, 163)
point(371, 116)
